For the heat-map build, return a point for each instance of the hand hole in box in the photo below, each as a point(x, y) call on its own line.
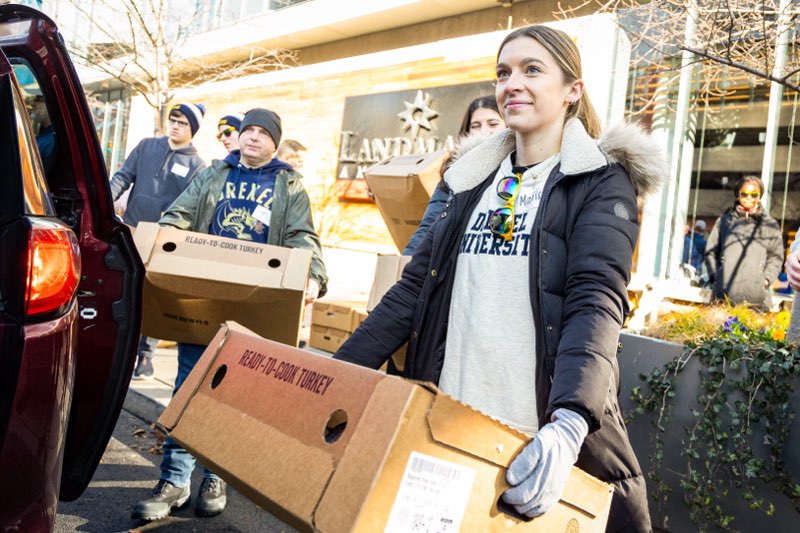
point(219, 375)
point(169, 246)
point(274, 263)
point(337, 422)
point(420, 161)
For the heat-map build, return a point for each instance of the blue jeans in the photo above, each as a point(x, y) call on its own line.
point(147, 345)
point(178, 464)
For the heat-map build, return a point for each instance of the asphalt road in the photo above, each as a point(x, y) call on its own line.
point(127, 472)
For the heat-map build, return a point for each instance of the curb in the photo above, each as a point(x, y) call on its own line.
point(142, 406)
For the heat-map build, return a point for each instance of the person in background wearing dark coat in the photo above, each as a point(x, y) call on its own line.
point(694, 246)
point(514, 300)
point(482, 119)
point(744, 251)
point(158, 170)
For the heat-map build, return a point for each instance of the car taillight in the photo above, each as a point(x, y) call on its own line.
point(53, 267)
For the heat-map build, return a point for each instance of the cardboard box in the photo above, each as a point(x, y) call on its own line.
point(343, 316)
point(388, 269)
point(402, 186)
point(361, 316)
point(328, 339)
point(195, 282)
point(332, 447)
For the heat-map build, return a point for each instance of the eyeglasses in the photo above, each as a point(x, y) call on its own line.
point(180, 123)
point(750, 194)
point(227, 132)
point(501, 221)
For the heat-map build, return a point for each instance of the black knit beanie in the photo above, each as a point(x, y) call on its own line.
point(265, 118)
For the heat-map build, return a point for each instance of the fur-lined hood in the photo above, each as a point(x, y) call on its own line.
point(626, 144)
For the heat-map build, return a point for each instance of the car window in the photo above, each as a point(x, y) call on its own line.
point(37, 201)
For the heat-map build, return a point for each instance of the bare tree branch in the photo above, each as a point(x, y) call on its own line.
point(143, 44)
point(734, 43)
point(783, 80)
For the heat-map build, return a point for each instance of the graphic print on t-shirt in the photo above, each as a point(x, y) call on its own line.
point(243, 207)
point(479, 239)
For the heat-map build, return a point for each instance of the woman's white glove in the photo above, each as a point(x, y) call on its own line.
point(539, 473)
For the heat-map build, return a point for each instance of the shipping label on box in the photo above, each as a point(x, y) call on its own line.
point(195, 282)
point(402, 186)
point(342, 315)
point(332, 447)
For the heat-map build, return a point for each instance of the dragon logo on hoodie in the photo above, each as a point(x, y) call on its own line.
point(239, 223)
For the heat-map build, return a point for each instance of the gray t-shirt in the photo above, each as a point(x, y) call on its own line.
point(490, 359)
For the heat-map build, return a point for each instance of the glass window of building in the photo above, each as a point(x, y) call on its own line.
point(111, 110)
point(724, 119)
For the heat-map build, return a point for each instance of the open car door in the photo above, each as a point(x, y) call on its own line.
point(109, 291)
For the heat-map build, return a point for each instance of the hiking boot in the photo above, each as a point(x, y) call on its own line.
point(165, 498)
point(212, 499)
point(144, 369)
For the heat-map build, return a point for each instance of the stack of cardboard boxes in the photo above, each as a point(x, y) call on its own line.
point(332, 323)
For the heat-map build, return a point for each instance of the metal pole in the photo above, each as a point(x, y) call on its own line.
point(681, 156)
point(775, 101)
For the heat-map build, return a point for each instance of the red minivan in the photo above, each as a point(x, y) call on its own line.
point(70, 280)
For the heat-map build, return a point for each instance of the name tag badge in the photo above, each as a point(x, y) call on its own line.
point(179, 170)
point(262, 214)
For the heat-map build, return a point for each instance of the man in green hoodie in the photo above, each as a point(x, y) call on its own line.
point(158, 170)
point(252, 196)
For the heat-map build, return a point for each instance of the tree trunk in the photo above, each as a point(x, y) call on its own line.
point(158, 123)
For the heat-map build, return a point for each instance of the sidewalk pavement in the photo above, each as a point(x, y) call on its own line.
point(351, 274)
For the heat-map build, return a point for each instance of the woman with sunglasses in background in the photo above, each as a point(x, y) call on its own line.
point(228, 131)
point(744, 251)
point(514, 300)
point(481, 120)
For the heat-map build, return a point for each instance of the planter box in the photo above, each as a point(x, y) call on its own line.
point(640, 355)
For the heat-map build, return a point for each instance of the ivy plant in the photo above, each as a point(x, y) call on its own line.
point(747, 373)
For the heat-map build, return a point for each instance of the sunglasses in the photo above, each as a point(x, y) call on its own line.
point(750, 194)
point(501, 221)
point(225, 133)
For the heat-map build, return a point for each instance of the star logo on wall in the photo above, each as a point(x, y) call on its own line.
point(417, 114)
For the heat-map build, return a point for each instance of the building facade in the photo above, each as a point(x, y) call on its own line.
point(374, 79)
